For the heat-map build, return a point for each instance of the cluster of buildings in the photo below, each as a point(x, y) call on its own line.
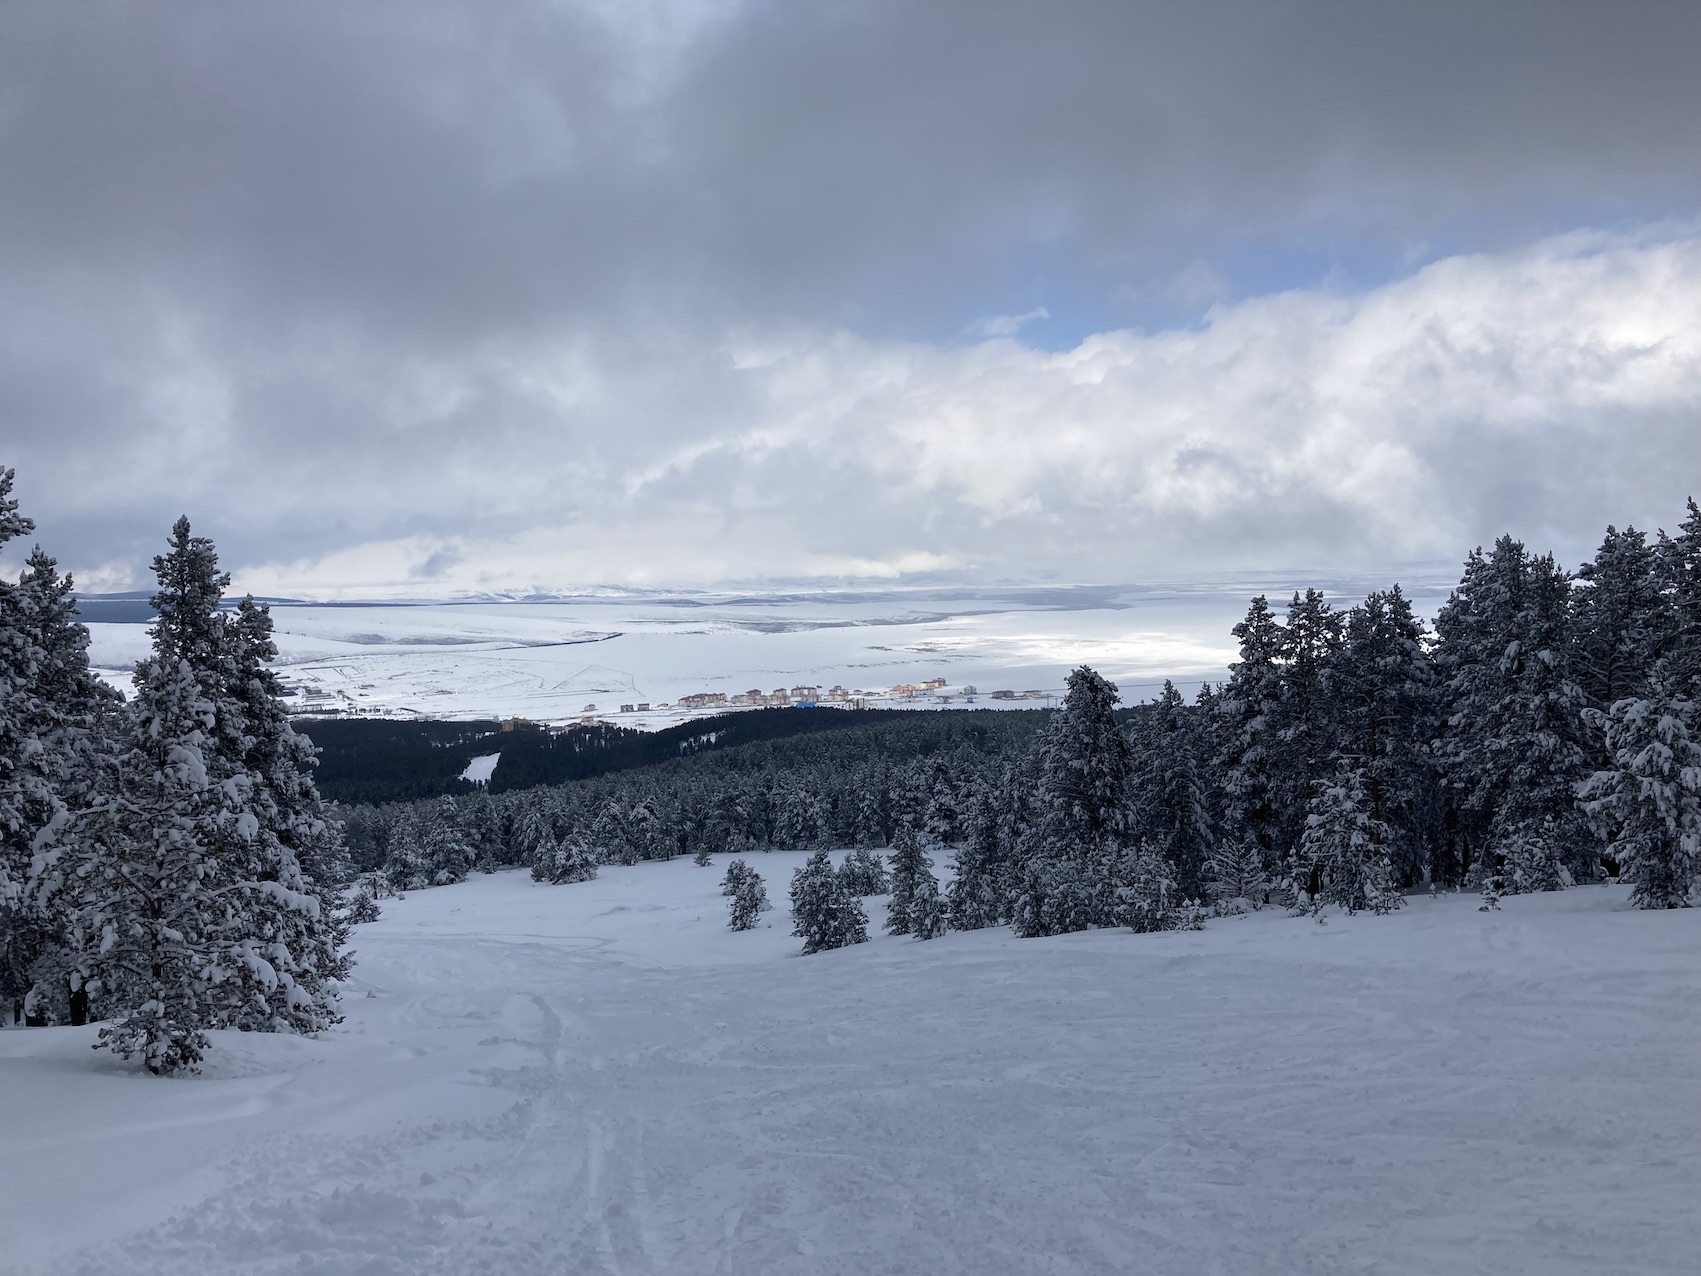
point(808, 697)
point(803, 697)
point(779, 697)
point(315, 701)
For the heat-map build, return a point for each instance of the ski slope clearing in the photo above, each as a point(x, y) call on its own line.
point(603, 1078)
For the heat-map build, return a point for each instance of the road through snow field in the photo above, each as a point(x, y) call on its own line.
point(602, 1078)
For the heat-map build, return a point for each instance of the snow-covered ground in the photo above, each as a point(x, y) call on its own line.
point(602, 1078)
point(553, 661)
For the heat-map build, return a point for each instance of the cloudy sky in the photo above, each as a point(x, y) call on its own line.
point(418, 298)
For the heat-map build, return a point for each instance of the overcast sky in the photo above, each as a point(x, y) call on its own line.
point(418, 298)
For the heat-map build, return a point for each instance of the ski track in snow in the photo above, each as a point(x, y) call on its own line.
point(601, 1078)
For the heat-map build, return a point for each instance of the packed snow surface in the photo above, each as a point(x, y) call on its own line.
point(603, 1078)
point(481, 768)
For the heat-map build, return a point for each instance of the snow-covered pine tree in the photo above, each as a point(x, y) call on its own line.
point(1249, 711)
point(863, 873)
point(404, 851)
point(55, 717)
point(188, 906)
point(1343, 857)
point(1236, 876)
point(823, 915)
point(1147, 895)
point(611, 835)
point(872, 825)
point(1017, 785)
point(295, 850)
point(1680, 576)
point(1650, 800)
point(534, 834)
point(362, 904)
point(572, 859)
point(927, 907)
point(942, 821)
point(1304, 744)
point(704, 857)
point(1066, 880)
point(29, 804)
point(481, 822)
point(799, 820)
point(910, 794)
point(976, 894)
point(909, 864)
point(1168, 794)
point(641, 829)
point(427, 847)
point(736, 872)
point(151, 915)
point(543, 853)
point(1621, 620)
point(1514, 748)
point(749, 901)
point(1386, 714)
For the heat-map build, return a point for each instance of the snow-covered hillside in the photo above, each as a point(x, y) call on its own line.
point(603, 1078)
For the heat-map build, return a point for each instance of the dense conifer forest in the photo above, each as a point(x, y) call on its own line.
point(1539, 735)
point(168, 864)
point(387, 760)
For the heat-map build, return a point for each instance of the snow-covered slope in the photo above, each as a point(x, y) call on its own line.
point(602, 1078)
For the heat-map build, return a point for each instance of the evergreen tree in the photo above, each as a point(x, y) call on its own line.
point(823, 915)
point(189, 907)
point(1056, 895)
point(863, 873)
point(404, 852)
point(1680, 575)
point(749, 900)
point(573, 859)
point(1651, 798)
point(481, 823)
point(1147, 895)
point(1514, 748)
point(1236, 875)
point(799, 819)
point(736, 872)
point(534, 833)
point(1169, 795)
point(295, 849)
point(941, 823)
point(54, 717)
point(1343, 857)
point(1621, 618)
point(703, 858)
point(610, 834)
point(1080, 826)
point(927, 908)
point(1249, 711)
point(977, 891)
point(872, 825)
point(429, 849)
point(909, 864)
point(154, 894)
point(362, 905)
point(1385, 705)
point(1304, 744)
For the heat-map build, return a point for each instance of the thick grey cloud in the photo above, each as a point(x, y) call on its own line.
point(335, 275)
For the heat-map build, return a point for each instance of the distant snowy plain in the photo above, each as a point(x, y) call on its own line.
point(603, 1078)
point(550, 660)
